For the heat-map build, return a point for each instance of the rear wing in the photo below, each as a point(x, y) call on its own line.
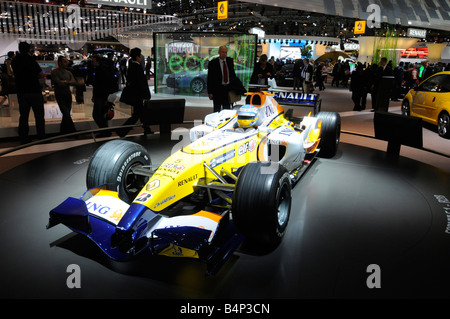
point(289, 98)
point(299, 99)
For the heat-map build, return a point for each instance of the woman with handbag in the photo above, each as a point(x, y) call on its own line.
point(135, 92)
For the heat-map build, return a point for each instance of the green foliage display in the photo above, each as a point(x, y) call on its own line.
point(385, 46)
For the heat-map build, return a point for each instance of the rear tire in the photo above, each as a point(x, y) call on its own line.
point(330, 133)
point(112, 165)
point(262, 203)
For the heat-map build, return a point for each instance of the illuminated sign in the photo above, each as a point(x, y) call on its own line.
point(143, 4)
point(360, 27)
point(181, 64)
point(417, 33)
point(222, 10)
point(258, 31)
point(414, 53)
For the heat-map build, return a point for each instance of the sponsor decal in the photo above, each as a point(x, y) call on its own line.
point(278, 142)
point(116, 216)
point(185, 181)
point(142, 4)
point(295, 98)
point(125, 164)
point(222, 158)
point(106, 207)
point(97, 208)
point(173, 169)
point(211, 140)
point(164, 174)
point(143, 197)
point(152, 185)
point(269, 110)
point(286, 131)
point(445, 202)
point(173, 166)
point(249, 146)
point(165, 200)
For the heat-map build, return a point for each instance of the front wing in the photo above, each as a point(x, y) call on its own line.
point(124, 231)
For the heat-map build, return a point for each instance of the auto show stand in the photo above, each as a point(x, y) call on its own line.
point(363, 224)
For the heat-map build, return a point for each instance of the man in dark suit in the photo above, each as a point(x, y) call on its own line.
point(28, 75)
point(220, 75)
point(379, 101)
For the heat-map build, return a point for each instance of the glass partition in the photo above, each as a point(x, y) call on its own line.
point(181, 59)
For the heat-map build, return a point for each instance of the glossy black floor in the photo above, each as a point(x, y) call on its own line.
point(358, 209)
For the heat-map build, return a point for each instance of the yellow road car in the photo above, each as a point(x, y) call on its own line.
point(430, 100)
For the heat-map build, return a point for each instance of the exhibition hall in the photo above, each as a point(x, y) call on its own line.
point(237, 154)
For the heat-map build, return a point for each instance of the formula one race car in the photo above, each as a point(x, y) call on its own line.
point(233, 182)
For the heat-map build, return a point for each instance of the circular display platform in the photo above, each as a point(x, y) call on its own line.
point(363, 225)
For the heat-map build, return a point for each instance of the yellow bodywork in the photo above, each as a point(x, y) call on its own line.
point(179, 175)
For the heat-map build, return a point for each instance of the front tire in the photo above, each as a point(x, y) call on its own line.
point(444, 125)
point(329, 134)
point(262, 203)
point(113, 163)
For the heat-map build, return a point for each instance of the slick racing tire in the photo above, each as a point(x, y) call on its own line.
point(112, 165)
point(330, 133)
point(262, 203)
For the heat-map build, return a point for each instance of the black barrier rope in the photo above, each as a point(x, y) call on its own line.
point(57, 137)
point(13, 149)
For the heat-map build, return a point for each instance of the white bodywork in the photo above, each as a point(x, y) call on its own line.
point(295, 139)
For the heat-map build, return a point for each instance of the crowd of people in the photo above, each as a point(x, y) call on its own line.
point(365, 79)
point(307, 75)
point(21, 74)
point(361, 79)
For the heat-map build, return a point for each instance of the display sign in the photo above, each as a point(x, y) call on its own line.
point(360, 27)
point(182, 58)
point(414, 53)
point(292, 53)
point(417, 33)
point(222, 10)
point(258, 31)
point(143, 4)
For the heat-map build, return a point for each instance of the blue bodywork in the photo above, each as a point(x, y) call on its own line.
point(131, 236)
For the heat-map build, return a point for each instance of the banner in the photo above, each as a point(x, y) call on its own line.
point(142, 4)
